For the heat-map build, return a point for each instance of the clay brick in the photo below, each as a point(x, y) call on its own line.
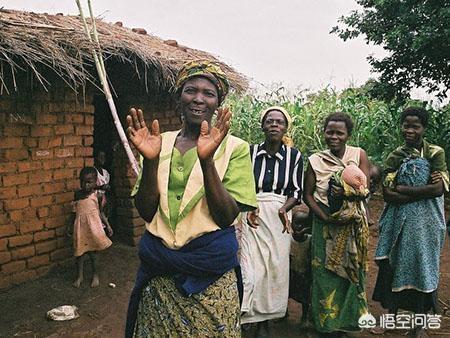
point(55, 142)
point(56, 107)
point(30, 142)
point(74, 162)
point(41, 154)
point(15, 154)
point(88, 141)
point(24, 252)
point(44, 247)
point(18, 130)
point(64, 197)
point(11, 142)
point(65, 152)
point(73, 184)
point(4, 218)
point(85, 108)
point(84, 130)
point(60, 254)
point(24, 276)
point(74, 118)
point(17, 204)
point(29, 166)
point(55, 222)
point(13, 266)
point(7, 193)
point(89, 120)
point(31, 225)
point(64, 129)
point(70, 140)
point(54, 163)
point(46, 119)
point(8, 167)
point(22, 215)
point(88, 162)
point(41, 201)
point(3, 244)
point(59, 174)
point(37, 261)
point(20, 240)
point(51, 188)
point(43, 235)
point(56, 210)
point(43, 142)
point(42, 212)
point(28, 190)
point(39, 131)
point(7, 230)
point(40, 177)
point(5, 257)
point(5, 282)
point(84, 152)
point(15, 179)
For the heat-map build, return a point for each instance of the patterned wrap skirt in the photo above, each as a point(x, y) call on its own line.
point(165, 312)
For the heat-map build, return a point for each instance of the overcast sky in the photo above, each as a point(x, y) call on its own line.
point(283, 41)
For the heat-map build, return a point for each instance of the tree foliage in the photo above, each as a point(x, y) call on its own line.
point(416, 35)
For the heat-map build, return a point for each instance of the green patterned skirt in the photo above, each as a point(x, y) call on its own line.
point(165, 312)
point(336, 302)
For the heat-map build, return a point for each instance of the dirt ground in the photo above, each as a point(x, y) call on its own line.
point(102, 310)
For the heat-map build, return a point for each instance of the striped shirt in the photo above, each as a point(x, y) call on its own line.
point(281, 173)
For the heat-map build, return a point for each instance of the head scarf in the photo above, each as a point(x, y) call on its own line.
point(281, 110)
point(286, 139)
point(207, 69)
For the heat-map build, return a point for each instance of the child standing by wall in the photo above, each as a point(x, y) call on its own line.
point(89, 225)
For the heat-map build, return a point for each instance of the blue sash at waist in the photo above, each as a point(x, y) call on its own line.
point(194, 267)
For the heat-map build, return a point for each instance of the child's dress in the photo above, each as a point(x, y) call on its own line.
point(88, 233)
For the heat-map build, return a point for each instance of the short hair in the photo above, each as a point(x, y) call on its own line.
point(420, 112)
point(86, 171)
point(340, 117)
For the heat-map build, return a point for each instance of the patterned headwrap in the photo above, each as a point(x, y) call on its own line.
point(208, 69)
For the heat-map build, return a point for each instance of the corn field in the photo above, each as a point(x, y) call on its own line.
point(376, 122)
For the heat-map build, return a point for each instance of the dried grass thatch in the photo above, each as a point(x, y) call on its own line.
point(41, 41)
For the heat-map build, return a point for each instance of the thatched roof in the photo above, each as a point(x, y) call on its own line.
point(42, 41)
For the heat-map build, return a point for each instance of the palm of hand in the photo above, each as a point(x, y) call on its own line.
point(208, 144)
point(147, 144)
point(210, 138)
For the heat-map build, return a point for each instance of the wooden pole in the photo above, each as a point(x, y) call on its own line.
point(98, 58)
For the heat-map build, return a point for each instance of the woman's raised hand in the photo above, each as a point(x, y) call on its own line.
point(148, 143)
point(210, 139)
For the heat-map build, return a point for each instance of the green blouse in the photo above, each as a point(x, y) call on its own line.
point(238, 179)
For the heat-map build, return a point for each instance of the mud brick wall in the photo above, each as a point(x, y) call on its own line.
point(130, 225)
point(45, 140)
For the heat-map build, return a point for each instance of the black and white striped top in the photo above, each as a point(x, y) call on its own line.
point(281, 173)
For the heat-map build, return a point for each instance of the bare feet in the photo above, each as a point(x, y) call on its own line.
point(77, 282)
point(95, 281)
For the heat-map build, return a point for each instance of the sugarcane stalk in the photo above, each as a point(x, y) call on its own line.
point(99, 65)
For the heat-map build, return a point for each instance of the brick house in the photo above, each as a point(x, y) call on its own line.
point(53, 117)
